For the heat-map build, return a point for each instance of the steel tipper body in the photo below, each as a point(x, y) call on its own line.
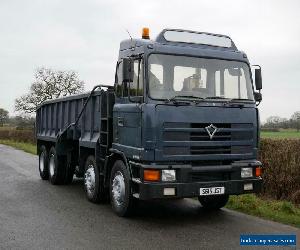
point(71, 129)
point(183, 122)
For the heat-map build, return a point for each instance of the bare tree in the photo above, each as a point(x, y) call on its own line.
point(274, 121)
point(49, 84)
point(3, 116)
point(296, 120)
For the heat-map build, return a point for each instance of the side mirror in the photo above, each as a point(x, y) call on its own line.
point(258, 81)
point(127, 70)
point(257, 96)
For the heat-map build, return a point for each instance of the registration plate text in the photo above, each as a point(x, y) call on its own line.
point(212, 191)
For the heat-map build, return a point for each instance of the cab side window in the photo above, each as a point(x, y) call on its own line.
point(136, 87)
point(119, 80)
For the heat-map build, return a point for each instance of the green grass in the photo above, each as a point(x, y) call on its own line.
point(27, 147)
point(281, 134)
point(279, 211)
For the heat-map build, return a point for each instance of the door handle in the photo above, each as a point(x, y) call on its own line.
point(120, 121)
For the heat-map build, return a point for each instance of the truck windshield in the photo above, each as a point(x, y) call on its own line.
point(172, 76)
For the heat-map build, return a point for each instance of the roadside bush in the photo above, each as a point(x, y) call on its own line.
point(281, 161)
point(18, 135)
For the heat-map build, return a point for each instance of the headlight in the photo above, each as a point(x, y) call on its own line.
point(168, 175)
point(246, 172)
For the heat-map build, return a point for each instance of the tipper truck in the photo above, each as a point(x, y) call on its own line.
point(180, 121)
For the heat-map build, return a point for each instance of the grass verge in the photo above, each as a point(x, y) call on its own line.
point(279, 211)
point(289, 134)
point(27, 147)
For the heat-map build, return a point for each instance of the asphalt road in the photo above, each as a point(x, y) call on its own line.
point(37, 215)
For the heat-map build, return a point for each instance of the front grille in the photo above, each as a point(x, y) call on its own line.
point(193, 139)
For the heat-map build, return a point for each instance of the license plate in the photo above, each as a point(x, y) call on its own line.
point(212, 191)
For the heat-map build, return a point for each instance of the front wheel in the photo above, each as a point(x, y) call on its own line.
point(213, 202)
point(121, 198)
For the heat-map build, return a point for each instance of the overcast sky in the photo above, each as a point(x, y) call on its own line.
point(84, 36)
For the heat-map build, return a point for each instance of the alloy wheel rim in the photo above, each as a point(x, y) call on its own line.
point(118, 189)
point(90, 180)
point(42, 162)
point(51, 165)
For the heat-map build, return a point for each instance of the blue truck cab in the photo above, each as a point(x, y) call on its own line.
point(183, 123)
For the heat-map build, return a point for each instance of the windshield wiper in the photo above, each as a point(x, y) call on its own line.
point(230, 101)
point(236, 99)
point(239, 104)
point(184, 98)
point(215, 97)
point(188, 96)
point(239, 99)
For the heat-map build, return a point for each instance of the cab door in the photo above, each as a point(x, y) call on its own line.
point(127, 113)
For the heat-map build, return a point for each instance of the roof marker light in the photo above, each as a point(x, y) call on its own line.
point(145, 34)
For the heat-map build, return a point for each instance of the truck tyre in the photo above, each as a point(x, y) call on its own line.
point(93, 181)
point(57, 167)
point(122, 201)
point(43, 163)
point(213, 202)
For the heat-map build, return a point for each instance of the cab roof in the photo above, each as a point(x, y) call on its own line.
point(187, 38)
point(184, 42)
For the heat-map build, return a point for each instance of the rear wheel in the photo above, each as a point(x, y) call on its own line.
point(43, 163)
point(121, 197)
point(93, 182)
point(57, 167)
point(213, 202)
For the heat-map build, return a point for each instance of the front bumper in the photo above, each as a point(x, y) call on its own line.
point(148, 191)
point(191, 178)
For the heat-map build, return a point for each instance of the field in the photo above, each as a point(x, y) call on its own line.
point(289, 134)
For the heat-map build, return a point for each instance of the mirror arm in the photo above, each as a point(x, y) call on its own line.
point(257, 103)
point(256, 65)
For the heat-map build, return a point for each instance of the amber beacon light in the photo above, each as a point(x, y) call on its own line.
point(145, 34)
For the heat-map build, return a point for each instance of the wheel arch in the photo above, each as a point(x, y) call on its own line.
point(110, 161)
point(84, 153)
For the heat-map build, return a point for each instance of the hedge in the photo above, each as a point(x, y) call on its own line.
point(18, 135)
point(281, 162)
